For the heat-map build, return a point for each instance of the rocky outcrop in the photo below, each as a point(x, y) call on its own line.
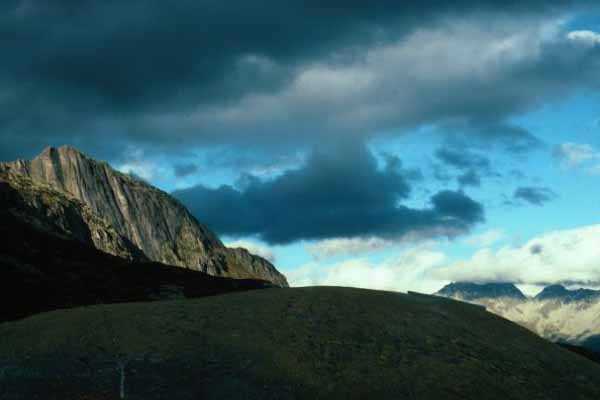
point(149, 218)
point(57, 213)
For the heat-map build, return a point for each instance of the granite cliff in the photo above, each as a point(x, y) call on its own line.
point(137, 214)
point(57, 213)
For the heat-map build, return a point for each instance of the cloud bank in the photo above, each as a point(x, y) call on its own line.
point(337, 194)
point(557, 257)
point(402, 273)
point(168, 77)
point(568, 257)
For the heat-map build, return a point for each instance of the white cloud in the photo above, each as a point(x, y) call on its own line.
point(136, 163)
point(487, 238)
point(254, 248)
point(571, 257)
point(594, 170)
point(589, 38)
point(328, 248)
point(278, 167)
point(409, 271)
point(144, 170)
point(560, 256)
point(574, 154)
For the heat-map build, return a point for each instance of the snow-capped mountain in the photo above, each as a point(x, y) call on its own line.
point(556, 313)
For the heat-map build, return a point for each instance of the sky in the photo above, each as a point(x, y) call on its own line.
point(382, 145)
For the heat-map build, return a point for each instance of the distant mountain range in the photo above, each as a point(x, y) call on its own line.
point(559, 292)
point(556, 313)
point(66, 193)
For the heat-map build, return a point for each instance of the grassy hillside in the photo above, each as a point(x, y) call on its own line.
point(313, 343)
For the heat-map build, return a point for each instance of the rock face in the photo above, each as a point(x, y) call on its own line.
point(149, 218)
point(57, 213)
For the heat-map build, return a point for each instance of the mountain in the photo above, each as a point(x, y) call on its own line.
point(300, 343)
point(556, 313)
point(592, 343)
point(42, 271)
point(473, 291)
point(60, 214)
point(583, 351)
point(157, 225)
point(560, 293)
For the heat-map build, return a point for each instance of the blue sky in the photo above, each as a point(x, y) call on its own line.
point(408, 147)
point(576, 200)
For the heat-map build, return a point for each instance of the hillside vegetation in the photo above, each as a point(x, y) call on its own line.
point(309, 343)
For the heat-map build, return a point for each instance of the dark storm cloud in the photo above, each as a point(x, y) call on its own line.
point(472, 166)
point(335, 194)
point(492, 133)
point(469, 178)
point(463, 160)
point(131, 55)
point(183, 170)
point(534, 195)
point(101, 74)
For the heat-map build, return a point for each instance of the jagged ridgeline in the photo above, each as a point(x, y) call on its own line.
point(68, 193)
point(556, 313)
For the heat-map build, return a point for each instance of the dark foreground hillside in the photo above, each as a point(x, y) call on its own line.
point(309, 343)
point(41, 272)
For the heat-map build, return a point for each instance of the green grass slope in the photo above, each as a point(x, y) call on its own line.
point(306, 343)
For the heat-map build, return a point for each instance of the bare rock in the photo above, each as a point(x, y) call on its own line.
point(156, 223)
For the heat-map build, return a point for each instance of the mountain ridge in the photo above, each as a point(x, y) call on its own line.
point(60, 214)
point(472, 291)
point(556, 313)
point(159, 225)
point(561, 293)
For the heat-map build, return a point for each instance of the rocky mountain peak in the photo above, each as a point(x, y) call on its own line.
point(471, 291)
point(556, 313)
point(560, 293)
point(159, 225)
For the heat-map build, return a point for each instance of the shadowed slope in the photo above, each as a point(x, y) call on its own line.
point(40, 271)
point(313, 343)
